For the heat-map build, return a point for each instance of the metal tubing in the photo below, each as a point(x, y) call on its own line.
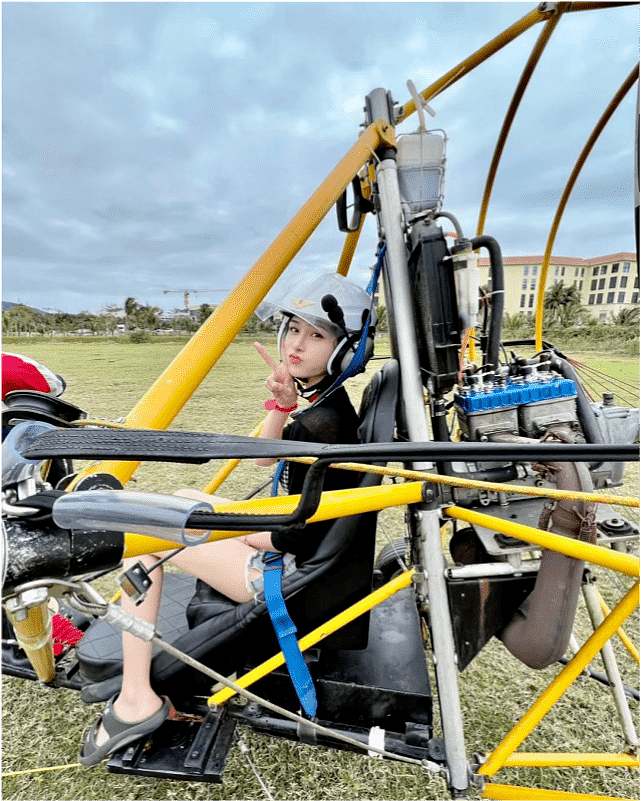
point(529, 68)
point(627, 642)
point(494, 569)
point(333, 504)
point(559, 685)
point(596, 554)
point(396, 261)
point(509, 792)
point(490, 486)
point(166, 397)
point(481, 55)
point(562, 759)
point(413, 404)
point(349, 248)
point(319, 633)
point(443, 653)
point(611, 668)
point(616, 100)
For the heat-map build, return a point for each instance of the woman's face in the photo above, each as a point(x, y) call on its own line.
point(305, 351)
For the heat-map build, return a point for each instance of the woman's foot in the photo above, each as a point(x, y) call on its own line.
point(111, 733)
point(130, 713)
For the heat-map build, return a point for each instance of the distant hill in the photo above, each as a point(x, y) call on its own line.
point(7, 304)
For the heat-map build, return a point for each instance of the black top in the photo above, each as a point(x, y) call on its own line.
point(332, 420)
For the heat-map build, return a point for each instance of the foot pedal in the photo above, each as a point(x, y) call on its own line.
point(180, 750)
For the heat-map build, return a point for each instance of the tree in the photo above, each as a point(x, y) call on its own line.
point(131, 307)
point(628, 318)
point(204, 312)
point(147, 316)
point(564, 305)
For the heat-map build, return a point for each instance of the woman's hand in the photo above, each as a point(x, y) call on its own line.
point(279, 383)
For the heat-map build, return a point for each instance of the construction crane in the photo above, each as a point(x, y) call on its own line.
point(187, 292)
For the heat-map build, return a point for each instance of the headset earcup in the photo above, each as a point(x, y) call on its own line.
point(335, 360)
point(349, 355)
point(343, 354)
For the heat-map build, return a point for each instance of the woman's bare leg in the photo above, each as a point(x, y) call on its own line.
point(137, 700)
point(221, 565)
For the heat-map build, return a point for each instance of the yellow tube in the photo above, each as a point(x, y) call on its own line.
point(596, 554)
point(349, 248)
point(169, 393)
point(489, 49)
point(336, 503)
point(540, 298)
point(562, 759)
point(511, 792)
point(532, 62)
point(627, 642)
point(318, 634)
point(559, 685)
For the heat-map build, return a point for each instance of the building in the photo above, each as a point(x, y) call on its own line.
point(606, 284)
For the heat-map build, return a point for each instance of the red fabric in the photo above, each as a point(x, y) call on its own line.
point(20, 374)
point(64, 633)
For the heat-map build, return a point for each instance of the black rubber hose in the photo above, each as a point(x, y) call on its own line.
point(584, 409)
point(498, 297)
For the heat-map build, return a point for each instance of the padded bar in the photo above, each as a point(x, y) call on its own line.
point(198, 448)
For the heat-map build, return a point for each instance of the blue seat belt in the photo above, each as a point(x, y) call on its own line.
point(286, 632)
point(284, 627)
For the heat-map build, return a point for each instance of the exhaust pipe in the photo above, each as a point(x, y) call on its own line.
point(539, 632)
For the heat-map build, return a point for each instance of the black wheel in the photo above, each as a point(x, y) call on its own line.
point(467, 549)
point(391, 561)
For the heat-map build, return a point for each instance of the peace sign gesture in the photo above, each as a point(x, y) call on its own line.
point(279, 383)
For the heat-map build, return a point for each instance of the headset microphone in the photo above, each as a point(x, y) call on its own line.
point(329, 304)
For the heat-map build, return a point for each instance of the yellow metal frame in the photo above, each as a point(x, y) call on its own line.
point(166, 397)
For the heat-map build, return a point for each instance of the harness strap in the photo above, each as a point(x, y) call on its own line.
point(286, 633)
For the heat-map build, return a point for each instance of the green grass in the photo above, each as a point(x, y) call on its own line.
point(43, 727)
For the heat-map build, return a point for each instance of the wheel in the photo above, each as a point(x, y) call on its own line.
point(391, 561)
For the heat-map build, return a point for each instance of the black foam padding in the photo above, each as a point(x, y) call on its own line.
point(100, 650)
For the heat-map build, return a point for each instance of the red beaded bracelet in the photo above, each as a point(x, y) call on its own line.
point(271, 404)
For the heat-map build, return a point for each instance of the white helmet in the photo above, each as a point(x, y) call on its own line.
point(326, 301)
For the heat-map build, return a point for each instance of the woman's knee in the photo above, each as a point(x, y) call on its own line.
point(199, 495)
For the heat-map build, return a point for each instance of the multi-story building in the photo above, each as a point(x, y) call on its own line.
point(606, 284)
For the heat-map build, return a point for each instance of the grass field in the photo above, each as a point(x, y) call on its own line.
point(43, 728)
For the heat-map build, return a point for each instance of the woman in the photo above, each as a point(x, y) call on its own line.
point(314, 346)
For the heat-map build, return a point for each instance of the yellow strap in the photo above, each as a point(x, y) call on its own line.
point(39, 770)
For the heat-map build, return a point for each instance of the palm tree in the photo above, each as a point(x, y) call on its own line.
point(627, 317)
point(148, 316)
point(564, 304)
point(131, 307)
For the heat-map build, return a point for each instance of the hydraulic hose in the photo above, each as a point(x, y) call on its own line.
point(498, 296)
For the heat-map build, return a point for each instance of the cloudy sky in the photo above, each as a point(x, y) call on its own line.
point(154, 146)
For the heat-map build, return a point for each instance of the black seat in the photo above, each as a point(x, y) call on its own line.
point(226, 635)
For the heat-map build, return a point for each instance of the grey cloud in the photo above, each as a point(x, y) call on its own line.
point(162, 143)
